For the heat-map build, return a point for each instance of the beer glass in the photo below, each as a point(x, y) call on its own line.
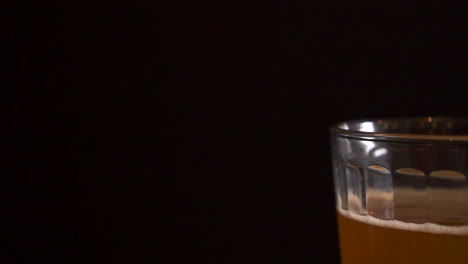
point(401, 190)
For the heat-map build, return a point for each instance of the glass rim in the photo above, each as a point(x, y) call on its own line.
point(367, 129)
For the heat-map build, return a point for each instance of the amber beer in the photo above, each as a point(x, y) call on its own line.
point(401, 187)
point(365, 239)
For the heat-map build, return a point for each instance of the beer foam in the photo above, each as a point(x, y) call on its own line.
point(396, 224)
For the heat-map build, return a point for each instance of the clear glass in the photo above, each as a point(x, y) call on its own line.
point(401, 190)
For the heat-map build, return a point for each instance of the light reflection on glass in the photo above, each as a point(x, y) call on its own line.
point(367, 127)
point(368, 145)
point(380, 152)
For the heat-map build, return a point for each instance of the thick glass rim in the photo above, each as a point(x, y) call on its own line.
point(421, 128)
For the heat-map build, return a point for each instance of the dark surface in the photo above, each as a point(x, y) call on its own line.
point(200, 132)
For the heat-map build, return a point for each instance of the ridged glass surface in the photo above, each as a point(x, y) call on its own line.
point(413, 181)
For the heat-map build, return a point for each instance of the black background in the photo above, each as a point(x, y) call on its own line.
point(199, 132)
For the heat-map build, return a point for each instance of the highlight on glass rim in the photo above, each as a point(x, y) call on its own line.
point(401, 189)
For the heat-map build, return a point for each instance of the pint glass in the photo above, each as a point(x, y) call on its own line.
point(401, 190)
